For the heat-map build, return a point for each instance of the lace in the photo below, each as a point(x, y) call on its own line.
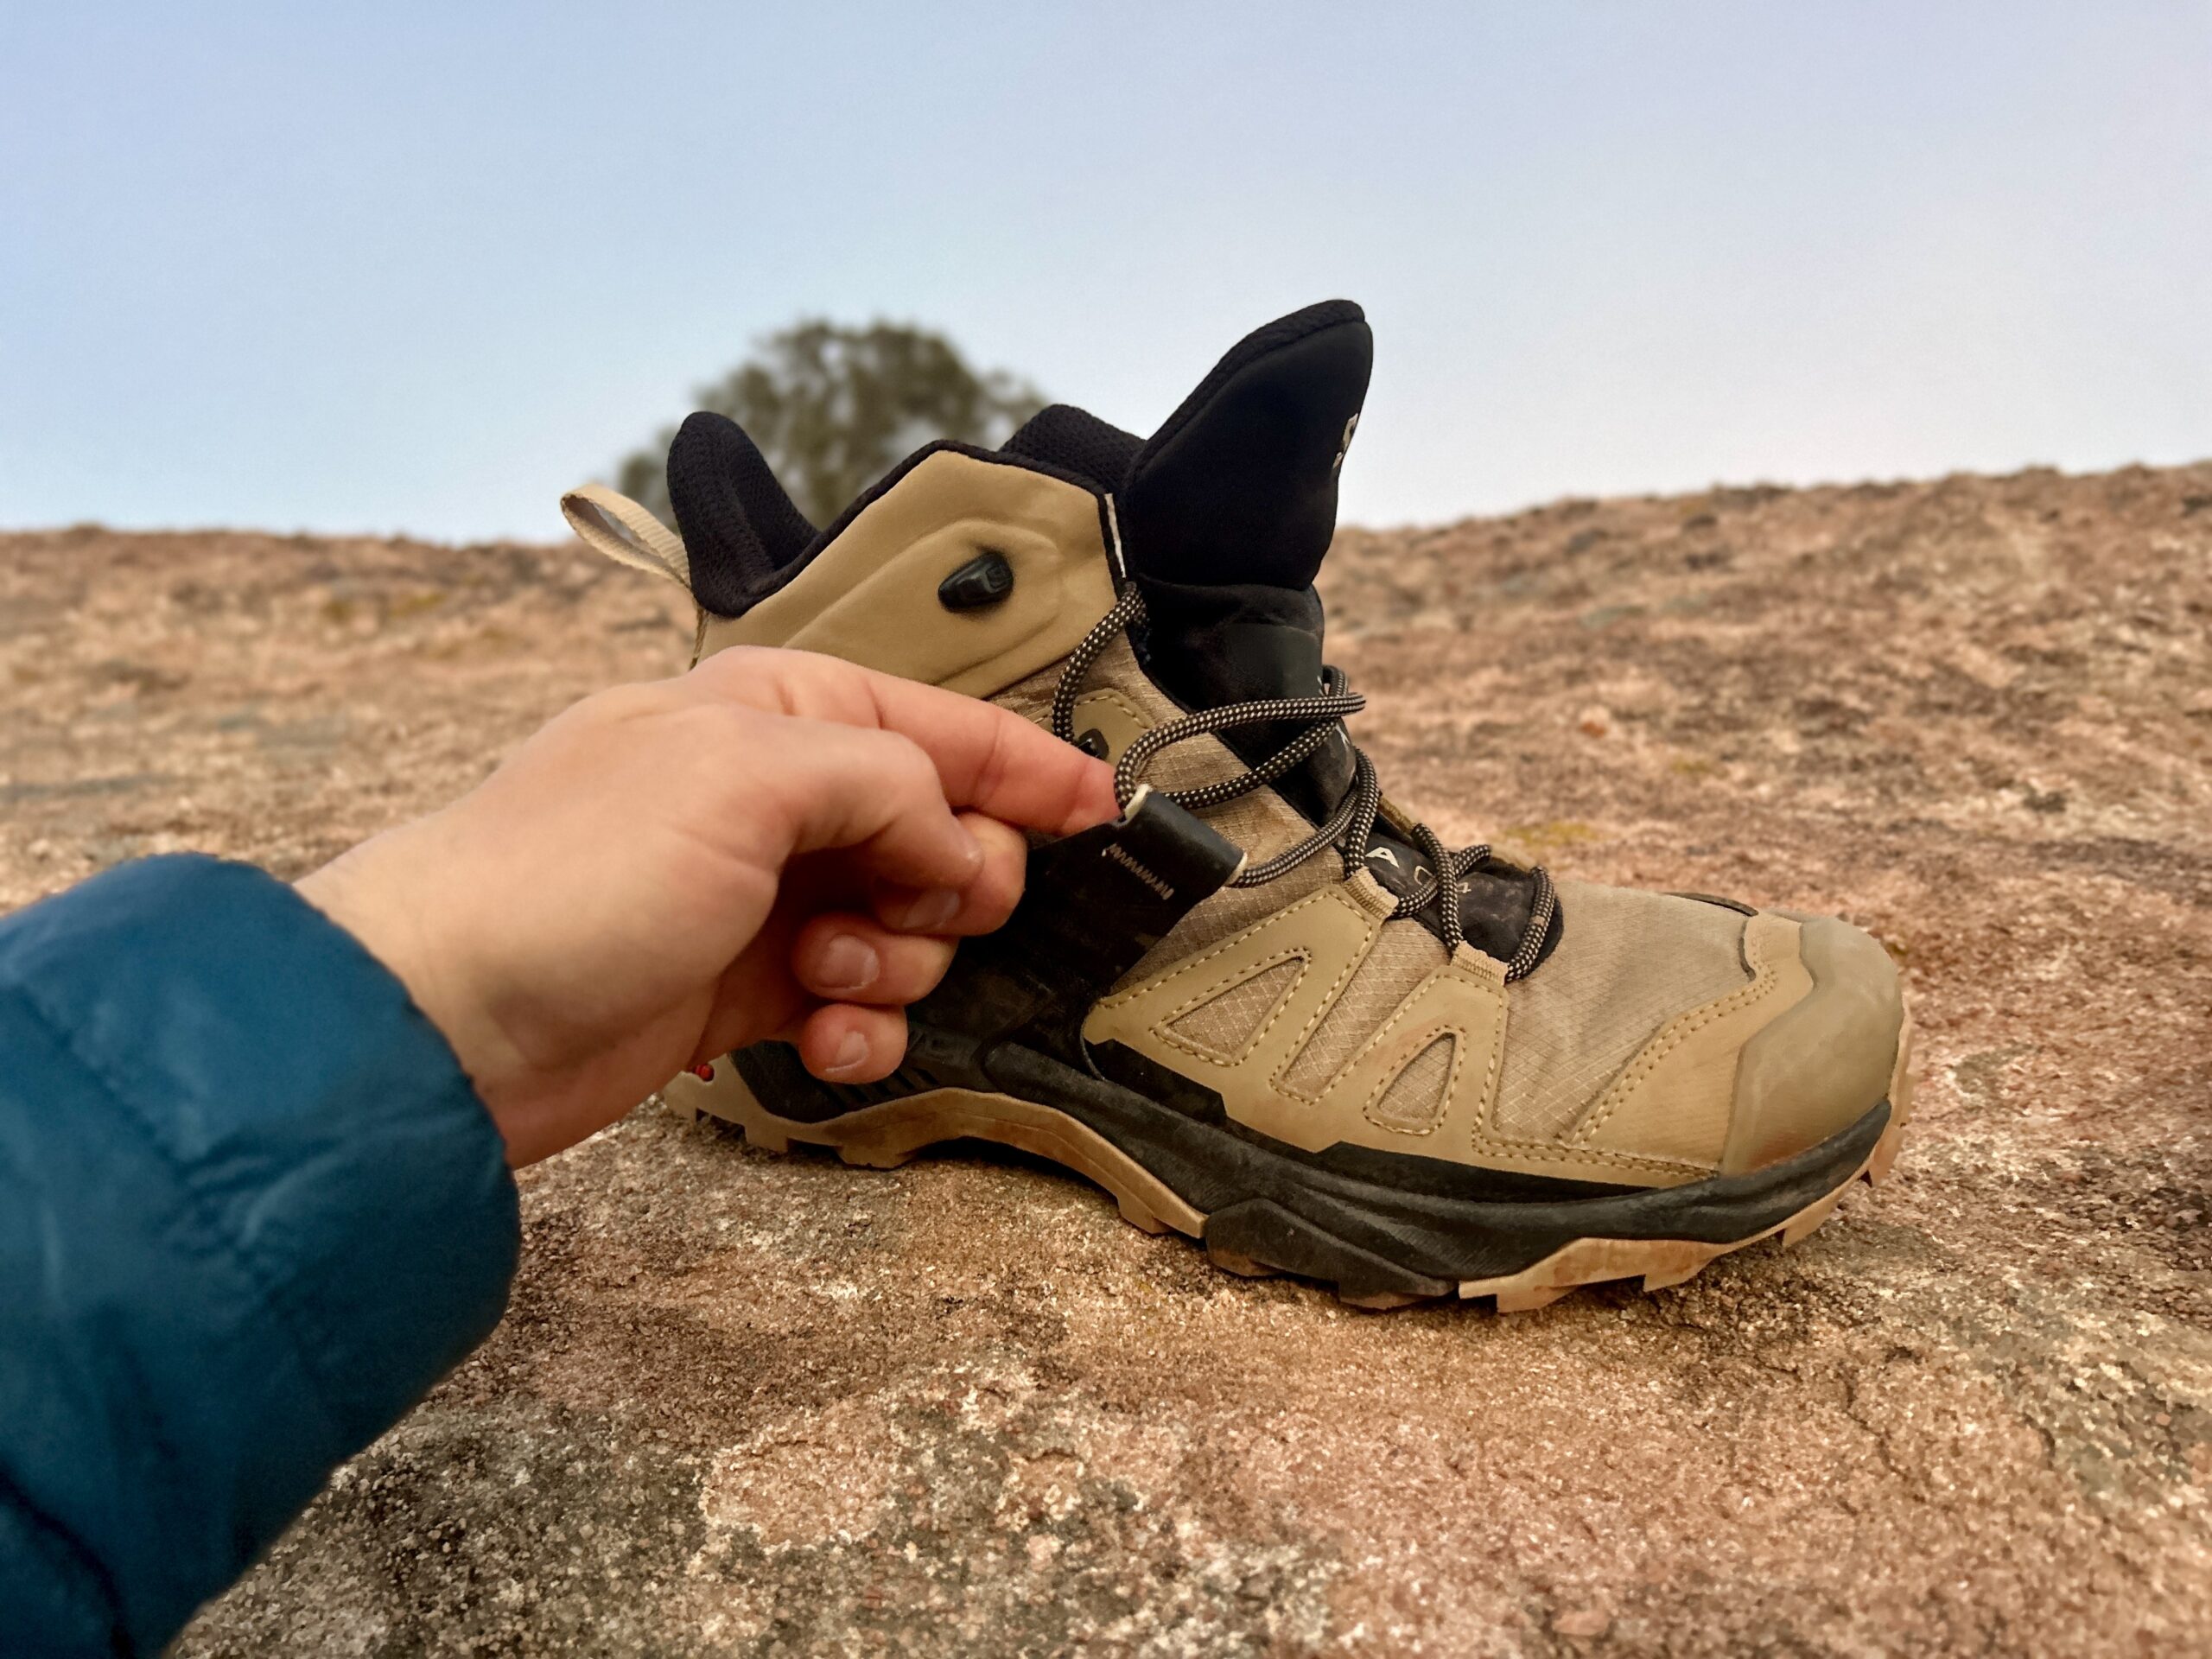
point(1350, 828)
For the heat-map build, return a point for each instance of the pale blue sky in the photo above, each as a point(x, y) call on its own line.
point(418, 267)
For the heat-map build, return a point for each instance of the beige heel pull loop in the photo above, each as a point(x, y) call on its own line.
point(615, 527)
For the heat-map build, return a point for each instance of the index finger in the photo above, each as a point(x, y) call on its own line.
point(993, 761)
point(988, 759)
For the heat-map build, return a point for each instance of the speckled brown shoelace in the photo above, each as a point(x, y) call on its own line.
point(1350, 828)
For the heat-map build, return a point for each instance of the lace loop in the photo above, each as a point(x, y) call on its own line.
point(1350, 824)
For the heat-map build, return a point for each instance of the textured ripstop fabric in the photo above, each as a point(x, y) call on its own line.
point(1414, 1100)
point(1032, 698)
point(1233, 909)
point(1404, 954)
point(1628, 962)
point(1223, 1028)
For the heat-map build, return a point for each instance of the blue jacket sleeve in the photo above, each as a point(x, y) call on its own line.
point(250, 1209)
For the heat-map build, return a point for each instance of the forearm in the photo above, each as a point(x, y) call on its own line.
point(250, 1210)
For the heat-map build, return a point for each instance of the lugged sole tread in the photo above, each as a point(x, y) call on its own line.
point(1256, 1238)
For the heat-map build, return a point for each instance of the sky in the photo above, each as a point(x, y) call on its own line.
point(418, 268)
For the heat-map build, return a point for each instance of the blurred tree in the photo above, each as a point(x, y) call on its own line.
point(834, 408)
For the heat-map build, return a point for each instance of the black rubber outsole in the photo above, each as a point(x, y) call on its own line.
point(1259, 1209)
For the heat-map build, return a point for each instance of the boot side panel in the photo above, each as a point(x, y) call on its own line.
point(873, 595)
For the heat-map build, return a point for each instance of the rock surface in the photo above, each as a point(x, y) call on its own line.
point(750, 1405)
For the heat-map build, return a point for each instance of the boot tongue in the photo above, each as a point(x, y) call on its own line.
point(1226, 514)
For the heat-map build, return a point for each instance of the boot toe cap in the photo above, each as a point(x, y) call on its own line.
point(1827, 1061)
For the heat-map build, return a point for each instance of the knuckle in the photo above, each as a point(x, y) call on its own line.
point(715, 733)
point(735, 661)
point(619, 705)
point(909, 763)
point(764, 676)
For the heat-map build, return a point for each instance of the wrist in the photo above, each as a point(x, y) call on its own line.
point(394, 926)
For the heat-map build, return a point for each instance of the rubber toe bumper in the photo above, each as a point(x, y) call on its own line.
point(1827, 1061)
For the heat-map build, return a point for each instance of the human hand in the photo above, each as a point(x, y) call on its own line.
point(778, 844)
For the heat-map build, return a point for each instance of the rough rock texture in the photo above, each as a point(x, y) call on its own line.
point(747, 1405)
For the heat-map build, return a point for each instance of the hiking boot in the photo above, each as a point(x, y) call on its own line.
point(1268, 1007)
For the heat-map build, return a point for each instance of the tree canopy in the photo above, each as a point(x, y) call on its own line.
point(833, 408)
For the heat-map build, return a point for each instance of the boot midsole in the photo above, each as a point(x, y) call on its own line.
point(1210, 1168)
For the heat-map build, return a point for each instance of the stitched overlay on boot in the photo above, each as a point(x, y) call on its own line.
point(1404, 955)
point(1416, 1098)
point(1224, 1025)
point(1233, 909)
point(1629, 962)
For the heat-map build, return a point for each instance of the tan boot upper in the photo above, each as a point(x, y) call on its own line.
point(1663, 1039)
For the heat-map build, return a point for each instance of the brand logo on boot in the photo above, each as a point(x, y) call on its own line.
point(1397, 873)
point(1344, 444)
point(1121, 858)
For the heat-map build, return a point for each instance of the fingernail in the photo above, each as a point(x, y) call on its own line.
point(852, 1053)
point(848, 964)
point(932, 909)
